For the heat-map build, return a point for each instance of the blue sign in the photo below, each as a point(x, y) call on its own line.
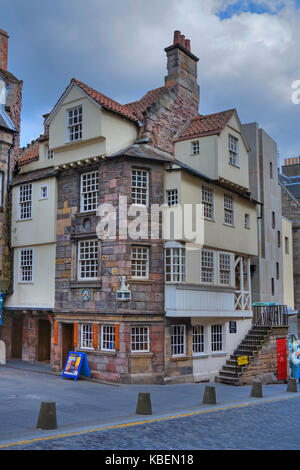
point(76, 365)
point(2, 298)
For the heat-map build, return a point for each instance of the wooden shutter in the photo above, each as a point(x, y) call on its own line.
point(75, 339)
point(95, 335)
point(55, 336)
point(117, 338)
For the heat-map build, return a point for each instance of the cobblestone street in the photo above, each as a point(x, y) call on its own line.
point(266, 426)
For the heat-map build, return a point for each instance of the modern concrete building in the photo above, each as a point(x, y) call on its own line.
point(267, 267)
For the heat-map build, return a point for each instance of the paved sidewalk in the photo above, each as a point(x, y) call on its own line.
point(84, 405)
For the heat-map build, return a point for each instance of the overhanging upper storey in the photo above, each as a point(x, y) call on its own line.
point(216, 146)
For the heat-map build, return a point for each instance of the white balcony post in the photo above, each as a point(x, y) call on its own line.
point(249, 282)
point(242, 283)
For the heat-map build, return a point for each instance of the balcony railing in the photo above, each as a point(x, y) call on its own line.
point(242, 300)
point(270, 315)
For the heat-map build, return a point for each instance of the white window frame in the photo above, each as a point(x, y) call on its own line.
point(25, 201)
point(70, 124)
point(172, 197)
point(196, 344)
point(137, 261)
point(137, 338)
point(177, 344)
point(208, 201)
point(217, 338)
point(207, 267)
point(177, 269)
point(230, 270)
point(195, 147)
point(41, 197)
point(50, 154)
point(227, 207)
point(90, 333)
point(140, 189)
point(80, 260)
point(92, 191)
point(104, 334)
point(20, 279)
point(233, 148)
point(247, 221)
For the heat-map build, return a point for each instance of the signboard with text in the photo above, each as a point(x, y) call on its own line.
point(76, 365)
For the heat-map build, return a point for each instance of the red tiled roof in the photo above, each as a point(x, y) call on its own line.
point(29, 155)
point(206, 125)
point(106, 102)
point(138, 107)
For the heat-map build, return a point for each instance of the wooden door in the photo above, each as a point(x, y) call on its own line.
point(67, 341)
point(17, 338)
point(44, 341)
point(281, 359)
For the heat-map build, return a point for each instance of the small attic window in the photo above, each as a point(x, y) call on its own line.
point(50, 154)
point(74, 124)
point(195, 147)
point(233, 146)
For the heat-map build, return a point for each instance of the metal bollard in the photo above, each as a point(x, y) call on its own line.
point(47, 415)
point(209, 397)
point(256, 389)
point(143, 406)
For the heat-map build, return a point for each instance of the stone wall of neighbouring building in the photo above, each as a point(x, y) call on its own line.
point(263, 366)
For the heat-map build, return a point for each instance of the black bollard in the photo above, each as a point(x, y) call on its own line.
point(292, 385)
point(47, 415)
point(143, 406)
point(209, 397)
point(256, 389)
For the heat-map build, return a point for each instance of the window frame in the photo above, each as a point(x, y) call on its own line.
point(233, 149)
point(20, 280)
point(140, 247)
point(226, 195)
point(182, 264)
point(91, 339)
point(197, 144)
point(211, 203)
point(70, 126)
point(41, 197)
point(214, 266)
point(91, 193)
point(177, 344)
point(230, 255)
point(202, 344)
point(215, 335)
point(79, 277)
point(172, 195)
point(137, 187)
point(113, 326)
point(147, 336)
point(19, 217)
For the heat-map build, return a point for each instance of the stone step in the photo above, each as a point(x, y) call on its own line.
point(227, 380)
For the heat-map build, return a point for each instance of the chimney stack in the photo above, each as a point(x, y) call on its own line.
point(3, 49)
point(182, 67)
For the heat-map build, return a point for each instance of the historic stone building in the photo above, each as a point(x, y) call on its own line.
point(143, 308)
point(10, 115)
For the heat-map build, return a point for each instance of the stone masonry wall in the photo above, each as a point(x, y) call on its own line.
point(264, 365)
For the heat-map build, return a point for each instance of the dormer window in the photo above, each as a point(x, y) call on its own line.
point(74, 123)
point(233, 145)
point(195, 147)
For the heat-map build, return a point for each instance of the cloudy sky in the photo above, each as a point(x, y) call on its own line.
point(249, 54)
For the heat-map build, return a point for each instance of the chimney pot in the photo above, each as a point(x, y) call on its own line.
point(182, 40)
point(176, 37)
point(188, 44)
point(3, 49)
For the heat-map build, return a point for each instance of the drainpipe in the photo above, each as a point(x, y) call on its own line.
point(9, 215)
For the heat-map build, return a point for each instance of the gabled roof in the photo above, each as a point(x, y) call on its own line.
point(209, 124)
point(29, 155)
point(138, 107)
point(100, 99)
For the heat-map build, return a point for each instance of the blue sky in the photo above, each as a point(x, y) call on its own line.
point(248, 51)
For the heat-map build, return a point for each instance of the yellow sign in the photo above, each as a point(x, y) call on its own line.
point(242, 360)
